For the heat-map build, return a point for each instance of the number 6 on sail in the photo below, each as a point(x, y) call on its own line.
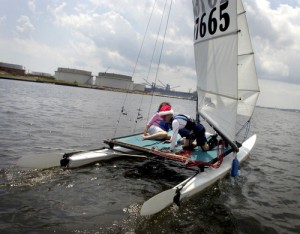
point(210, 18)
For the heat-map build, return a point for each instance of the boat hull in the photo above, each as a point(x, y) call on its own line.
point(211, 175)
point(195, 184)
point(188, 188)
point(85, 158)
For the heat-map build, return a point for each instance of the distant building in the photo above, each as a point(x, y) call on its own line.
point(168, 92)
point(138, 87)
point(118, 81)
point(74, 75)
point(40, 74)
point(12, 69)
point(113, 80)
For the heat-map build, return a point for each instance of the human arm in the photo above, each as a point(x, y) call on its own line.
point(175, 127)
point(146, 129)
point(154, 119)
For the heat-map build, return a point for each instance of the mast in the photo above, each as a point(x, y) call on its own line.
point(227, 84)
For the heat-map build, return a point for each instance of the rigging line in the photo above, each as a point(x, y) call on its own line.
point(163, 42)
point(169, 162)
point(245, 126)
point(144, 37)
point(150, 66)
point(135, 66)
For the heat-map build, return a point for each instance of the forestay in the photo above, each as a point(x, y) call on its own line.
point(227, 83)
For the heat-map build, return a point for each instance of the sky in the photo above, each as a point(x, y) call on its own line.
point(101, 35)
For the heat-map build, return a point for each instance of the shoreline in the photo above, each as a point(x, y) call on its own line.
point(78, 85)
point(63, 83)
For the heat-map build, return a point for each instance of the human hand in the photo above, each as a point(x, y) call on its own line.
point(167, 150)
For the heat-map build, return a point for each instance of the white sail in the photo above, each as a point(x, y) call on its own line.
point(248, 89)
point(227, 82)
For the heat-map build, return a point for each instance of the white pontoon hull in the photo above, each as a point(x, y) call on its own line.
point(165, 199)
point(86, 158)
point(211, 175)
point(197, 183)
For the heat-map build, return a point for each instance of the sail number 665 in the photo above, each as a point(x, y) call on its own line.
point(211, 26)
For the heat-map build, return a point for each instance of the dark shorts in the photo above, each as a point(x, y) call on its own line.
point(198, 134)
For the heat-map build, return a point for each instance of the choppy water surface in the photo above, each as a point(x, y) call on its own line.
point(45, 120)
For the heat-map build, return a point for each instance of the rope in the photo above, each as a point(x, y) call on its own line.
point(220, 157)
point(148, 73)
point(245, 126)
point(220, 151)
point(174, 157)
point(163, 42)
point(139, 116)
point(133, 72)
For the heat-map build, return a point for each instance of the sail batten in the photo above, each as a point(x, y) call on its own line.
point(250, 53)
point(226, 77)
point(218, 94)
point(251, 90)
point(225, 35)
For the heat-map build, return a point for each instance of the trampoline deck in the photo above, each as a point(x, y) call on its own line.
point(157, 147)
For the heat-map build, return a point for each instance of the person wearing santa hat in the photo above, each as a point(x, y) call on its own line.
point(157, 128)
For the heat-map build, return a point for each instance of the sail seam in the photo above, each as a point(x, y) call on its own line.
point(216, 37)
point(218, 94)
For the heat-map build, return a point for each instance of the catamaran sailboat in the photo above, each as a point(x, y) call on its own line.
point(227, 90)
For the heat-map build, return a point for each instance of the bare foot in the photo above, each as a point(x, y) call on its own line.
point(205, 147)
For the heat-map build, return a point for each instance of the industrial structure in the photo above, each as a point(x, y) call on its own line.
point(40, 74)
point(112, 80)
point(103, 79)
point(74, 75)
point(164, 91)
point(12, 69)
point(138, 87)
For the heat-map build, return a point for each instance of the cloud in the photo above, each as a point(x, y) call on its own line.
point(114, 37)
point(24, 27)
point(39, 57)
point(95, 34)
point(32, 6)
point(2, 19)
point(276, 36)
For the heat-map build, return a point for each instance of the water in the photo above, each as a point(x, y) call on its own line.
point(44, 120)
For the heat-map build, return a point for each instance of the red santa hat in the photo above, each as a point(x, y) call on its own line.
point(166, 110)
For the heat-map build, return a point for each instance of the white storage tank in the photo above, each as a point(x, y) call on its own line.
point(113, 80)
point(74, 75)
